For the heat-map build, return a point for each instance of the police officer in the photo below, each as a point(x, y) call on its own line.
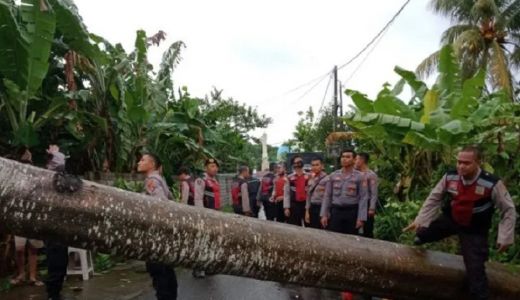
point(207, 188)
point(345, 203)
point(163, 276)
point(371, 179)
point(265, 192)
point(207, 194)
point(295, 193)
point(57, 254)
point(278, 193)
point(240, 193)
point(317, 185)
point(467, 197)
point(187, 186)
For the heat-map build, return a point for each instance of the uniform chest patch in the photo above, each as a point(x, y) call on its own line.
point(453, 187)
point(479, 190)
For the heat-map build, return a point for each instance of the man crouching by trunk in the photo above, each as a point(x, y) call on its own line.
point(163, 276)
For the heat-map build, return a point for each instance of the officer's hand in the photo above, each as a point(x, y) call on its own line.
point(287, 212)
point(359, 224)
point(324, 222)
point(307, 216)
point(371, 212)
point(502, 248)
point(412, 227)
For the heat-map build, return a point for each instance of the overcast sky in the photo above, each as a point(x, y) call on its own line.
point(257, 51)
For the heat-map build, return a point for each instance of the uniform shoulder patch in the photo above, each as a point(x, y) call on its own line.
point(151, 185)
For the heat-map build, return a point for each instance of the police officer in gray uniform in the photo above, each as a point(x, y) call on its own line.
point(345, 203)
point(163, 276)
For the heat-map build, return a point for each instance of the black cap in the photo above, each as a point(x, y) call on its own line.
point(211, 161)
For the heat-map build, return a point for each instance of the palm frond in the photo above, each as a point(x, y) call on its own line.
point(428, 65)
point(456, 10)
point(452, 33)
point(499, 68)
point(511, 14)
point(469, 41)
point(510, 17)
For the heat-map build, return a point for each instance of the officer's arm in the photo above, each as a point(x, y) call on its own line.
point(430, 207)
point(373, 185)
point(287, 194)
point(327, 199)
point(154, 188)
point(506, 207)
point(185, 192)
point(362, 184)
point(245, 198)
point(198, 198)
point(308, 201)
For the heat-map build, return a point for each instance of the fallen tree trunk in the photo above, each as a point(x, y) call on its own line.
point(141, 227)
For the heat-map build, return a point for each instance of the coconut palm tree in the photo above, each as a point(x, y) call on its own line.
point(485, 34)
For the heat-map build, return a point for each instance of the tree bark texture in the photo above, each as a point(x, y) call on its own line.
point(141, 227)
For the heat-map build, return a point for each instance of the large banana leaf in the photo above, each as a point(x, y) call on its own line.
point(26, 35)
point(75, 34)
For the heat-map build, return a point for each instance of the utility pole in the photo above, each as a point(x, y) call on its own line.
point(335, 107)
point(341, 105)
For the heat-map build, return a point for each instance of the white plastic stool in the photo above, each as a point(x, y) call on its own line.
point(86, 264)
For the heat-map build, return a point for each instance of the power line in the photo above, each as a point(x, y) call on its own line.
point(320, 78)
point(323, 100)
point(309, 90)
point(364, 60)
point(377, 35)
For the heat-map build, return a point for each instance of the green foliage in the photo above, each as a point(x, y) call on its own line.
point(414, 143)
point(121, 106)
point(480, 35)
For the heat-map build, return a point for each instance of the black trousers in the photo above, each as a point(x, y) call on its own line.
point(279, 212)
point(164, 280)
point(297, 213)
point(269, 209)
point(237, 209)
point(314, 211)
point(57, 261)
point(343, 219)
point(368, 228)
point(474, 249)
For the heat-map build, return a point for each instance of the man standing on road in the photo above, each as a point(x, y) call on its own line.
point(345, 203)
point(187, 187)
point(467, 198)
point(266, 190)
point(295, 193)
point(207, 194)
point(163, 276)
point(278, 193)
point(370, 177)
point(317, 185)
point(240, 193)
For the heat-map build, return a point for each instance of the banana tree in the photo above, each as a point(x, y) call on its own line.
point(426, 131)
point(30, 32)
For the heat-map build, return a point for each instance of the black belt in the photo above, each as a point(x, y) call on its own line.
point(345, 207)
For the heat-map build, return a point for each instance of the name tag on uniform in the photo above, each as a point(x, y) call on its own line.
point(453, 188)
point(479, 190)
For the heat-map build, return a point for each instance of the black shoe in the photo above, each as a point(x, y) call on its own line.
point(417, 241)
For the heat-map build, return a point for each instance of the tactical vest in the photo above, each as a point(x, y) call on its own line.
point(470, 206)
point(211, 193)
point(236, 191)
point(279, 186)
point(266, 188)
point(298, 187)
